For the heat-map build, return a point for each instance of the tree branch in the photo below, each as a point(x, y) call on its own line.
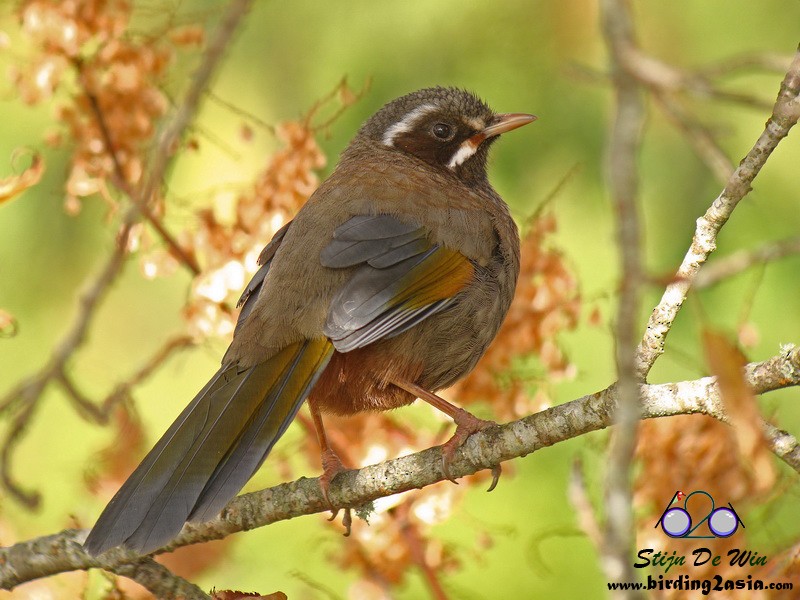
point(49, 555)
point(784, 116)
point(42, 554)
point(158, 579)
point(621, 157)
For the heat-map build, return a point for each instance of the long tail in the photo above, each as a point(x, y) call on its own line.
point(211, 450)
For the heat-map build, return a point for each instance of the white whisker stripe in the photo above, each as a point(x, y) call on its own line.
point(407, 123)
point(465, 150)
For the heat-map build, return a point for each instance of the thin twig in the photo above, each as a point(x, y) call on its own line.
point(579, 498)
point(733, 65)
point(415, 543)
point(735, 263)
point(45, 556)
point(660, 76)
point(83, 405)
point(29, 393)
point(356, 96)
point(238, 111)
point(100, 412)
point(16, 430)
point(700, 137)
point(665, 82)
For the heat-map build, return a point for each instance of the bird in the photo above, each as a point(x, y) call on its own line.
point(387, 286)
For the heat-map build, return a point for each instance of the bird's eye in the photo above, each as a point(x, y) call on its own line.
point(443, 131)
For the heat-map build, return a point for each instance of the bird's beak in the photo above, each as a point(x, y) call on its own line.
point(501, 124)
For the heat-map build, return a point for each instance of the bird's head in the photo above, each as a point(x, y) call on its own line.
point(448, 128)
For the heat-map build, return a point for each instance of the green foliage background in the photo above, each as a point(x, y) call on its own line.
point(520, 56)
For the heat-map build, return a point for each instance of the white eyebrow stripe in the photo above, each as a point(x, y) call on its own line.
point(476, 123)
point(407, 123)
point(465, 150)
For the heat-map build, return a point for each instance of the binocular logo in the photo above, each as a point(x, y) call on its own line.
point(677, 522)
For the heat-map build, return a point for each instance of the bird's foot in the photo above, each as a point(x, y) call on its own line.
point(331, 467)
point(466, 425)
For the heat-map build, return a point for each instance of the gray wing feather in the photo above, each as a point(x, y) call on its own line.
point(187, 477)
point(365, 309)
point(207, 455)
point(372, 227)
point(398, 253)
point(340, 253)
point(396, 323)
point(129, 507)
point(250, 293)
point(366, 295)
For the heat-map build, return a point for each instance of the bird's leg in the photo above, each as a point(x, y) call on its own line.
point(331, 467)
point(331, 464)
point(466, 425)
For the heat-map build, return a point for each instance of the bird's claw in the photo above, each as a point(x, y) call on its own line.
point(331, 467)
point(447, 457)
point(466, 425)
point(497, 470)
point(347, 519)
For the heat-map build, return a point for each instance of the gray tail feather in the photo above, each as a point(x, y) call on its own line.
point(210, 451)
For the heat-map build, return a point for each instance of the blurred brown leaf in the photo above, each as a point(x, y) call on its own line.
point(748, 335)
point(689, 453)
point(16, 184)
point(727, 363)
point(188, 35)
point(595, 318)
point(696, 452)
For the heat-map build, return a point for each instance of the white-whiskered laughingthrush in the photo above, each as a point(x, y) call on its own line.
point(388, 285)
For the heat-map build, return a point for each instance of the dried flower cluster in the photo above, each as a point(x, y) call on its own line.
point(229, 251)
point(111, 87)
point(398, 537)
